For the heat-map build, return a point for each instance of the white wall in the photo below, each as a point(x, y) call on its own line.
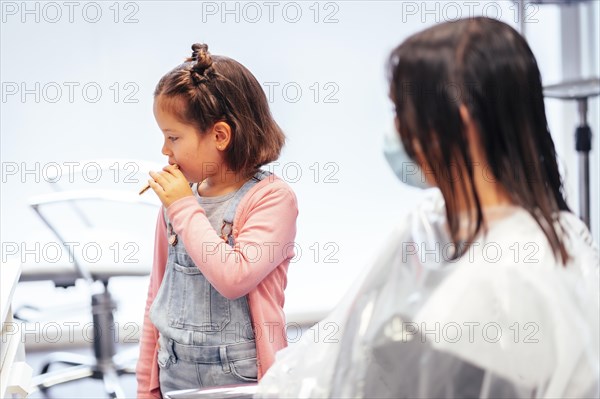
point(345, 57)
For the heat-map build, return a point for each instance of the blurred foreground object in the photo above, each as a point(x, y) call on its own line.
point(504, 320)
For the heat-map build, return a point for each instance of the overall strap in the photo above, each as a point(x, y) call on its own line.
point(228, 216)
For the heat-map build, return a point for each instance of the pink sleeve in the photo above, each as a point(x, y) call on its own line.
point(263, 242)
point(147, 359)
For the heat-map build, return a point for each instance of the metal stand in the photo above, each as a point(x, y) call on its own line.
point(580, 90)
point(583, 145)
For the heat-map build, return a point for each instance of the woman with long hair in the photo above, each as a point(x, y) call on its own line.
point(490, 287)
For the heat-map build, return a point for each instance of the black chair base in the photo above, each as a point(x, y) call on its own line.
point(105, 365)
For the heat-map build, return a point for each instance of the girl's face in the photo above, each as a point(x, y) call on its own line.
point(196, 154)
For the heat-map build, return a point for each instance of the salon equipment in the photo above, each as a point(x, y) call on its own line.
point(580, 90)
point(112, 231)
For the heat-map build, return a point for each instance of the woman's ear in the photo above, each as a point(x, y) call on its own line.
point(464, 114)
point(472, 135)
point(221, 132)
point(467, 121)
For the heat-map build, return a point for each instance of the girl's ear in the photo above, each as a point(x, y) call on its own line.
point(222, 134)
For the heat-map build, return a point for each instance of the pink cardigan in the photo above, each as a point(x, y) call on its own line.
point(264, 230)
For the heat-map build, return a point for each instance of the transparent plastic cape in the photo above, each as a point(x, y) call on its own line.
point(504, 320)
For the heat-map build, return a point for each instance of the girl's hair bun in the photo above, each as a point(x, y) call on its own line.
point(201, 63)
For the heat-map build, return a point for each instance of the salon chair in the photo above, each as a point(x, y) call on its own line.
point(74, 214)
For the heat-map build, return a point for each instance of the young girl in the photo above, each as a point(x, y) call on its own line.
point(224, 239)
point(490, 288)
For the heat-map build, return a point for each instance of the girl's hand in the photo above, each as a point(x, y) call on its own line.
point(170, 185)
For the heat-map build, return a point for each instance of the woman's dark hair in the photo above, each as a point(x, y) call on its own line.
point(487, 66)
point(207, 89)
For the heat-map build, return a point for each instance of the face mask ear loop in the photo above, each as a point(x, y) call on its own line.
point(406, 170)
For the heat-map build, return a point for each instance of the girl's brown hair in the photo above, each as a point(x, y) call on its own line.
point(207, 89)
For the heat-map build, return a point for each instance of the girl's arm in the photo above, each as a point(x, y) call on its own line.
point(149, 333)
point(264, 241)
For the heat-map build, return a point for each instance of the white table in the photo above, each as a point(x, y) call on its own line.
point(15, 374)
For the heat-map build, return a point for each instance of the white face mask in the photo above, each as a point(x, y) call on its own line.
point(408, 171)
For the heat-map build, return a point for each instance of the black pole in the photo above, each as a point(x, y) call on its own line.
point(583, 146)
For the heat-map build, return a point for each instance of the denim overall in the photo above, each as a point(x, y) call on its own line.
point(205, 339)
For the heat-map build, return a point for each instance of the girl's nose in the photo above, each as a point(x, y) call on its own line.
point(165, 150)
